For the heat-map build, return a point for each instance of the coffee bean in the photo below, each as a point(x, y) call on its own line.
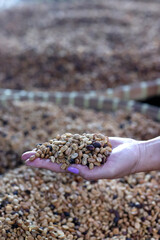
point(97, 145)
point(90, 147)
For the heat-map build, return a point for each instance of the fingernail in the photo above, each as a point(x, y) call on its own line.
point(73, 170)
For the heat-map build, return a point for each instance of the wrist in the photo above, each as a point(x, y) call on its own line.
point(149, 155)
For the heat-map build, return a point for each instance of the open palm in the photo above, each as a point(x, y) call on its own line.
point(122, 161)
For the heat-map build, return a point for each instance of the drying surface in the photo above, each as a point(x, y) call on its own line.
point(22, 125)
point(79, 46)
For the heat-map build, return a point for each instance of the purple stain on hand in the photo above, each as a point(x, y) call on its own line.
point(73, 170)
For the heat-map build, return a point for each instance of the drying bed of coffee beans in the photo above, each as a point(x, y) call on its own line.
point(79, 45)
point(87, 149)
point(23, 125)
point(39, 204)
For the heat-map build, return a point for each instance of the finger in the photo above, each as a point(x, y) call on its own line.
point(27, 155)
point(116, 141)
point(46, 164)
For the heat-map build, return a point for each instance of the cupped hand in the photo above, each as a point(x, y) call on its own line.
point(123, 161)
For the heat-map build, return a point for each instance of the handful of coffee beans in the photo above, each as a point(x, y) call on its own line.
point(86, 149)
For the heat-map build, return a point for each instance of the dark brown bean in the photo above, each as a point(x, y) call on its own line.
point(96, 145)
point(90, 147)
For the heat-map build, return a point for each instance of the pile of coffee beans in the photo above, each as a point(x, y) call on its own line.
point(86, 149)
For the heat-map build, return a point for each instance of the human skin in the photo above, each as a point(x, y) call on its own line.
point(128, 156)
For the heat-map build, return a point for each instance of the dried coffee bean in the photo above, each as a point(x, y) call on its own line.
point(37, 155)
point(74, 155)
point(84, 161)
point(91, 165)
point(50, 147)
point(96, 144)
point(99, 159)
point(52, 159)
point(32, 158)
point(105, 145)
point(72, 161)
point(75, 149)
point(90, 147)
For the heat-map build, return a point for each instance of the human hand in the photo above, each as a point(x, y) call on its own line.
point(122, 161)
point(41, 163)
